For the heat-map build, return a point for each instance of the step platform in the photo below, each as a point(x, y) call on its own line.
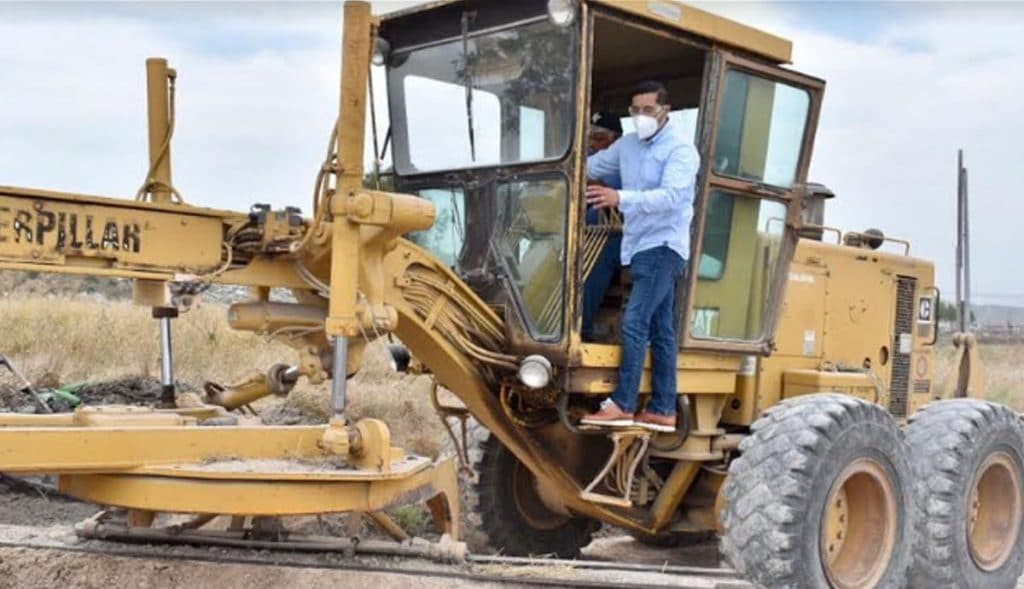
point(629, 445)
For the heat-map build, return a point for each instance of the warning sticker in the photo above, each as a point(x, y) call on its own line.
point(809, 339)
point(906, 344)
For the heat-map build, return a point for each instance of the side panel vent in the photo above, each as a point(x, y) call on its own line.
point(899, 387)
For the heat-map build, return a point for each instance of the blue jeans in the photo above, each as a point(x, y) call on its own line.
point(650, 318)
point(600, 278)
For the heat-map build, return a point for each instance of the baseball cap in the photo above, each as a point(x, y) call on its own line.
point(607, 121)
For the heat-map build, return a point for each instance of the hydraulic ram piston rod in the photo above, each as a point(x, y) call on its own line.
point(166, 355)
point(339, 382)
point(167, 388)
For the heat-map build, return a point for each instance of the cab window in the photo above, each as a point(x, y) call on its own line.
point(761, 129)
point(447, 235)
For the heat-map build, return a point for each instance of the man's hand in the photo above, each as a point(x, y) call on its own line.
point(602, 197)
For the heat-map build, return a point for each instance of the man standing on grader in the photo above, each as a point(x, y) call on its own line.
point(658, 170)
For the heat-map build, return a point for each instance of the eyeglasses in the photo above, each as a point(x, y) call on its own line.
point(649, 110)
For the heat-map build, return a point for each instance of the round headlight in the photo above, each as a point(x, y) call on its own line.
point(535, 371)
point(562, 12)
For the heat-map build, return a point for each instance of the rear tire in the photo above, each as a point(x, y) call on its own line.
point(512, 516)
point(968, 458)
point(820, 496)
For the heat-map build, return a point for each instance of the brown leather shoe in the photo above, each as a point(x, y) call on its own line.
point(610, 415)
point(656, 422)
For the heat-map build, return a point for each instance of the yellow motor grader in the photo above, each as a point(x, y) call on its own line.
point(811, 436)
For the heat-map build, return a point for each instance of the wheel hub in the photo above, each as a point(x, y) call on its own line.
point(858, 531)
point(836, 526)
point(530, 503)
point(994, 511)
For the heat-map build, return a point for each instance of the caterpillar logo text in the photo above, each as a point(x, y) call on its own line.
point(67, 231)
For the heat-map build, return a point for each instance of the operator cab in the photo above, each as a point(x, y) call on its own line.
point(489, 106)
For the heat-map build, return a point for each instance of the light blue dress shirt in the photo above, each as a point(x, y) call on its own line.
point(658, 179)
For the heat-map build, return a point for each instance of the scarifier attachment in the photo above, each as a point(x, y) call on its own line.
point(263, 533)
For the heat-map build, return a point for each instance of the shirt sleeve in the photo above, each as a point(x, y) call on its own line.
point(677, 182)
point(604, 163)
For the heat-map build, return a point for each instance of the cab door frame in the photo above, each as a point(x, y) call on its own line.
point(721, 63)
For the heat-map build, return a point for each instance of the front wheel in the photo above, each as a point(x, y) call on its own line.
point(820, 497)
point(968, 458)
point(513, 516)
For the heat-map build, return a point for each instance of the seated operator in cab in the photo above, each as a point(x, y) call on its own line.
point(605, 129)
point(658, 169)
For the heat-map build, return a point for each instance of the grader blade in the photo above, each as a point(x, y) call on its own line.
point(152, 461)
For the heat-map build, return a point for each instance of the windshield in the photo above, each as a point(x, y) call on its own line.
point(499, 97)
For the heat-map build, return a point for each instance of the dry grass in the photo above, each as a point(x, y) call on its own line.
point(62, 340)
point(70, 340)
point(1004, 371)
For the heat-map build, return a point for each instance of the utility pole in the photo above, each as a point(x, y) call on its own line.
point(969, 377)
point(968, 314)
point(960, 240)
point(963, 247)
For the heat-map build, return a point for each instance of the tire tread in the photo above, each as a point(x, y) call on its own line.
point(769, 482)
point(500, 526)
point(942, 437)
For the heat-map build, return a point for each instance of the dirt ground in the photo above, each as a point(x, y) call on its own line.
point(34, 502)
point(129, 390)
point(24, 568)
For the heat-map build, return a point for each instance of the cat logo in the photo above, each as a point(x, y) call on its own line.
point(924, 311)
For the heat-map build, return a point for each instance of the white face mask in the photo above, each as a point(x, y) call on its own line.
point(646, 126)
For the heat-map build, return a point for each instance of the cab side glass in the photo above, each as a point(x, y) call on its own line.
point(738, 266)
point(447, 235)
point(761, 129)
point(715, 248)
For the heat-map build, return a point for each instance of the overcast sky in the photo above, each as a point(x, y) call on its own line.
point(908, 83)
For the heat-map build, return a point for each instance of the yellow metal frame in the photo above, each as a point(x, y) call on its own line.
point(711, 26)
point(680, 17)
point(174, 241)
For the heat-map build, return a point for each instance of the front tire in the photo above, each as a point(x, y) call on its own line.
point(820, 497)
point(968, 459)
point(512, 515)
